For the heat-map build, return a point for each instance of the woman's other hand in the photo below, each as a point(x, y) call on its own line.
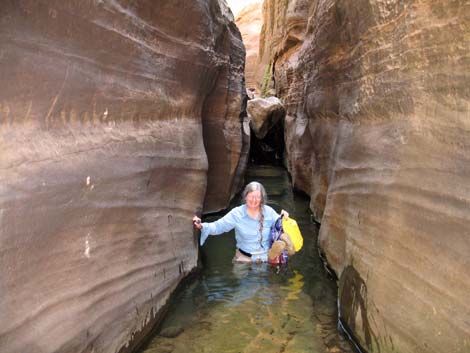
point(284, 214)
point(197, 222)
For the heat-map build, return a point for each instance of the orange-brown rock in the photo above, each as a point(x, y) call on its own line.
point(282, 34)
point(249, 21)
point(377, 96)
point(102, 110)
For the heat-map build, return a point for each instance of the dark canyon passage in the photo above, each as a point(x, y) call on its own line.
point(270, 149)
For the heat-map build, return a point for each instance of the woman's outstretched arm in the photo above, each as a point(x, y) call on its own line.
point(223, 225)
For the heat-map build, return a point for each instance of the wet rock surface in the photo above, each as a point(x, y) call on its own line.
point(377, 99)
point(102, 110)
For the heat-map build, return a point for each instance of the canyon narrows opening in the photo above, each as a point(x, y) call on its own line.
point(270, 149)
point(236, 307)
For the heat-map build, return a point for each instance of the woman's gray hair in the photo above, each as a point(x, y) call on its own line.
point(255, 186)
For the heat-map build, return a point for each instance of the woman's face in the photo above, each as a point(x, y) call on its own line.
point(253, 199)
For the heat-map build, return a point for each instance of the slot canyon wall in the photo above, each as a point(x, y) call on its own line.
point(377, 131)
point(103, 107)
point(250, 22)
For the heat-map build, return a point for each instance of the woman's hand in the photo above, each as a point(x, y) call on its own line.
point(284, 214)
point(197, 222)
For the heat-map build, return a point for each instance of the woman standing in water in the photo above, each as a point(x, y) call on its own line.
point(252, 222)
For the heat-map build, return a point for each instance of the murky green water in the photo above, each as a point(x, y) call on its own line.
point(256, 308)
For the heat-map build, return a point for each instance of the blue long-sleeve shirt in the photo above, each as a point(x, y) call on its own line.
point(247, 234)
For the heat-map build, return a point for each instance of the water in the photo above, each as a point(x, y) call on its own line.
point(251, 307)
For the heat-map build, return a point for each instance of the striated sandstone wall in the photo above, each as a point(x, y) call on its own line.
point(377, 96)
point(250, 21)
point(226, 143)
point(102, 111)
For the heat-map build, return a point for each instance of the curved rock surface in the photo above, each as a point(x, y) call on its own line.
point(226, 144)
point(264, 113)
point(249, 21)
point(377, 96)
point(102, 111)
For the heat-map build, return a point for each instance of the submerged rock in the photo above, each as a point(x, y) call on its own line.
point(377, 98)
point(171, 332)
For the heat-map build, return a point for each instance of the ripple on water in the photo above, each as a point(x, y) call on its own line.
point(256, 308)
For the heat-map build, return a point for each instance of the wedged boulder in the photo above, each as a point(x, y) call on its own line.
point(264, 113)
point(102, 110)
point(377, 97)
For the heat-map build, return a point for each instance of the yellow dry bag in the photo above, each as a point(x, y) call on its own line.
point(291, 228)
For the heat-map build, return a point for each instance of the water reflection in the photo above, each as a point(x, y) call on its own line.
point(256, 307)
